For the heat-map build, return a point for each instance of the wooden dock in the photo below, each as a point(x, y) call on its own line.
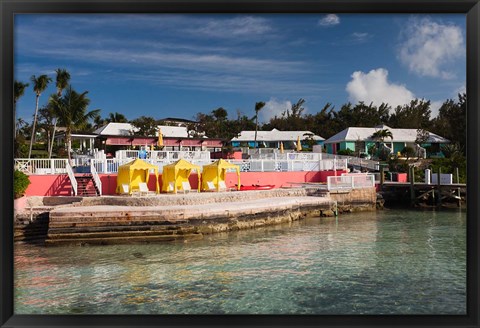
point(423, 193)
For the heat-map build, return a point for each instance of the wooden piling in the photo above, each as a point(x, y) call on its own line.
point(459, 199)
point(382, 176)
point(412, 182)
point(439, 199)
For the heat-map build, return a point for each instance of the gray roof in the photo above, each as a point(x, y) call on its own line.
point(399, 135)
point(274, 135)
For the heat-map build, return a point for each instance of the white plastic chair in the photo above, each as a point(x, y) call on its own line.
point(125, 188)
point(186, 187)
point(171, 187)
point(222, 186)
point(143, 188)
point(211, 186)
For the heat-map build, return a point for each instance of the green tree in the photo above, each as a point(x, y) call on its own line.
point(116, 117)
point(46, 122)
point(380, 137)
point(451, 122)
point(415, 115)
point(20, 183)
point(39, 85)
point(62, 81)
point(18, 92)
point(147, 126)
point(98, 121)
point(361, 115)
point(71, 112)
point(322, 123)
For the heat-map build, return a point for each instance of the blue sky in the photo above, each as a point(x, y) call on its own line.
point(178, 65)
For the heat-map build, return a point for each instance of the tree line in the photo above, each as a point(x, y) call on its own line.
point(69, 109)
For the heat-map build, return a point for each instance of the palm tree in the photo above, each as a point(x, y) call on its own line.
point(39, 85)
point(116, 117)
point(18, 91)
point(62, 82)
point(258, 106)
point(381, 135)
point(71, 111)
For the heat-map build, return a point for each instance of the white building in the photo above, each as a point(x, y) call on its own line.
point(272, 139)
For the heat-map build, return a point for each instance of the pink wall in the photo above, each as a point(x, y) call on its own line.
point(59, 185)
point(48, 185)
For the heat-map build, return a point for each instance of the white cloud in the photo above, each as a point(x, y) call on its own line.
point(329, 20)
point(375, 88)
point(273, 108)
point(461, 89)
point(435, 107)
point(361, 36)
point(238, 26)
point(428, 48)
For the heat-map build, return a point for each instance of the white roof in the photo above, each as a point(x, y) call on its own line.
point(399, 135)
point(274, 135)
point(125, 129)
point(115, 129)
point(173, 131)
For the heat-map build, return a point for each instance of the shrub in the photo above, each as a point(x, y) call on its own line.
point(20, 183)
point(408, 152)
point(347, 152)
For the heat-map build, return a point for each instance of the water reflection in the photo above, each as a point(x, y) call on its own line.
point(386, 262)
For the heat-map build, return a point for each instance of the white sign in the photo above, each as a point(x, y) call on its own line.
point(445, 179)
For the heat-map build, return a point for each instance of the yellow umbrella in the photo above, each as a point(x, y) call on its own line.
point(299, 145)
point(281, 147)
point(160, 138)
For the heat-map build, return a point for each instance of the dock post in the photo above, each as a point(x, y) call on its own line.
point(382, 176)
point(411, 172)
point(458, 189)
point(439, 200)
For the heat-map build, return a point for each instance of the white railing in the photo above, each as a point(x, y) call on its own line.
point(73, 181)
point(110, 165)
point(41, 165)
point(288, 156)
point(357, 161)
point(164, 155)
point(96, 178)
point(261, 165)
point(350, 181)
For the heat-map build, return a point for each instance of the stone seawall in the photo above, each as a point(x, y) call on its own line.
point(169, 217)
point(104, 224)
point(355, 200)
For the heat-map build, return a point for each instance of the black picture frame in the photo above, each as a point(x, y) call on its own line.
point(471, 8)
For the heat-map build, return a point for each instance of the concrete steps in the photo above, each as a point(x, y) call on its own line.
point(121, 240)
point(103, 224)
point(86, 186)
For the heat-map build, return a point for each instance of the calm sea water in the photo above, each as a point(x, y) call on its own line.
point(386, 262)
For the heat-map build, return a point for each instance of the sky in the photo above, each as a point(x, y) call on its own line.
point(171, 65)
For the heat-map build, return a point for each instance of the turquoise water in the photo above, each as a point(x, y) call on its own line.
point(385, 262)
